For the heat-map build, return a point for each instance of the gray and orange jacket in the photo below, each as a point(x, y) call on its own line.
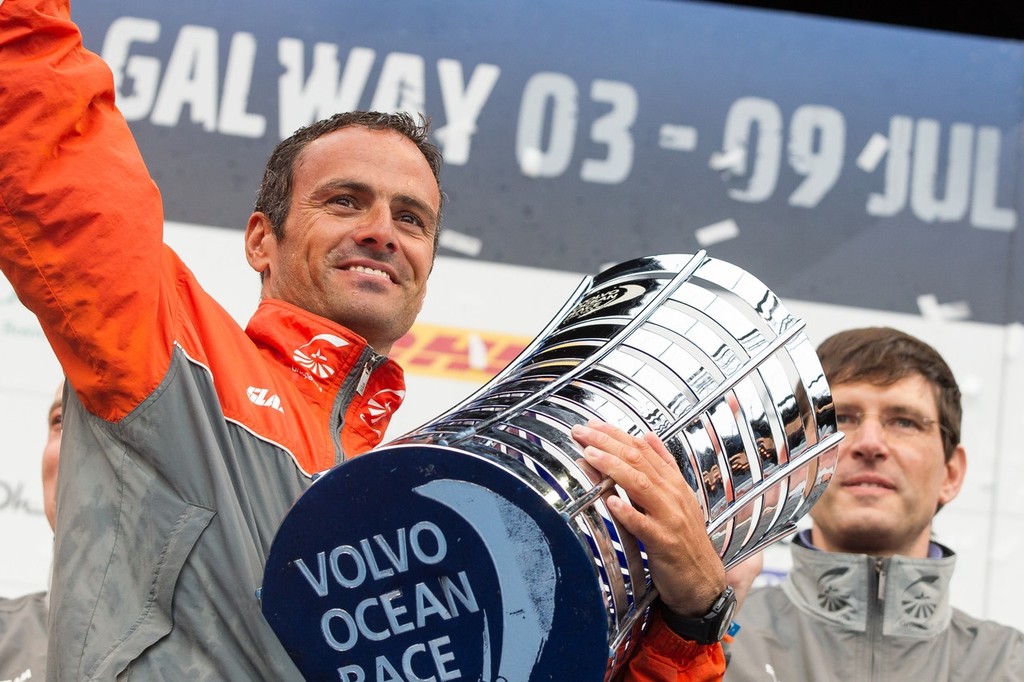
point(186, 438)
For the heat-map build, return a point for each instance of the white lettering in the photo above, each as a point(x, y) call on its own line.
point(425, 539)
point(385, 670)
point(440, 659)
point(984, 212)
point(407, 664)
point(397, 617)
point(462, 106)
point(400, 560)
point(360, 576)
point(393, 612)
point(234, 119)
point(920, 141)
point(923, 197)
point(304, 100)
point(365, 629)
point(319, 585)
point(613, 130)
point(384, 667)
point(371, 561)
point(439, 541)
point(747, 116)
point(543, 91)
point(817, 142)
point(435, 607)
point(191, 78)
point(465, 595)
point(144, 72)
point(897, 170)
point(328, 633)
point(401, 84)
point(351, 673)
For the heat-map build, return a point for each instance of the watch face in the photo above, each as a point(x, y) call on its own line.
point(727, 620)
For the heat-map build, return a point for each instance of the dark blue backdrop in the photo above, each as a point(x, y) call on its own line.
point(785, 125)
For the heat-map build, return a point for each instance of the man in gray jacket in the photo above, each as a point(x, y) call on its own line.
point(868, 597)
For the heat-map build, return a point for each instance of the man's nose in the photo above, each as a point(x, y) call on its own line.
point(377, 228)
point(868, 439)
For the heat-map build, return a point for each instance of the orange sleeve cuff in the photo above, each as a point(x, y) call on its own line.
point(664, 656)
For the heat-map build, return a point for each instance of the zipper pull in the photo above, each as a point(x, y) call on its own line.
point(880, 570)
point(364, 379)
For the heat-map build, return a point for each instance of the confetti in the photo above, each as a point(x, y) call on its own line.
point(732, 159)
point(679, 138)
point(717, 232)
point(931, 309)
point(476, 349)
point(460, 243)
point(531, 162)
point(872, 153)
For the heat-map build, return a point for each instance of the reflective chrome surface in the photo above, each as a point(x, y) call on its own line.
point(694, 349)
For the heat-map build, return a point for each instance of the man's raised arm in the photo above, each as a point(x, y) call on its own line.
point(81, 222)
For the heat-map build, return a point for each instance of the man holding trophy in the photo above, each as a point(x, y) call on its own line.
point(193, 437)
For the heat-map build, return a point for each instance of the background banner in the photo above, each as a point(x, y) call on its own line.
point(816, 153)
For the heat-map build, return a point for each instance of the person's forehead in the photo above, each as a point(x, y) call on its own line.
point(910, 392)
point(385, 153)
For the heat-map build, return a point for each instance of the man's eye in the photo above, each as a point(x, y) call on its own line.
point(906, 424)
point(845, 419)
point(342, 200)
point(410, 219)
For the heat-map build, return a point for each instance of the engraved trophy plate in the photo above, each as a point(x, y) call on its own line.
point(692, 348)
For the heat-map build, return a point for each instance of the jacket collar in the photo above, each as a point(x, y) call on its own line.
point(320, 353)
point(909, 596)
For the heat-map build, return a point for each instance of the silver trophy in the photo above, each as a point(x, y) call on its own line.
point(692, 348)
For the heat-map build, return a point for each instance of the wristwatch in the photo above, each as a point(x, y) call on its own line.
point(707, 629)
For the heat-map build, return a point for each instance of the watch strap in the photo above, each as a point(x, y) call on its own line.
point(707, 629)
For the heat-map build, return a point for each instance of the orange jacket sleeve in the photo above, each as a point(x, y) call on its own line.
point(81, 222)
point(664, 656)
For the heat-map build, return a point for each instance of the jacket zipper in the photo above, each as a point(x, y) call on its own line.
point(874, 623)
point(353, 385)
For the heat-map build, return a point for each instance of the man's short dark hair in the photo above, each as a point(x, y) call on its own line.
point(274, 195)
point(883, 356)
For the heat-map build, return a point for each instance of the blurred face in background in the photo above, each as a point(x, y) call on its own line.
point(51, 457)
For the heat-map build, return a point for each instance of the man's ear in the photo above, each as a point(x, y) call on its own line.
point(260, 243)
point(956, 468)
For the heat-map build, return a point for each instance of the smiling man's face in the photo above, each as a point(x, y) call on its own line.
point(358, 243)
point(892, 474)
